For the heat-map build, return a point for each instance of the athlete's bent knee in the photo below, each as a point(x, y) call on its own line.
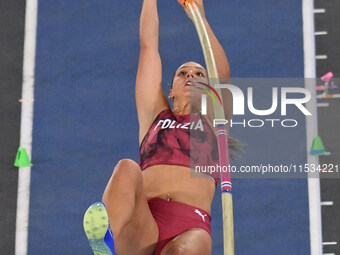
point(126, 166)
point(125, 162)
point(127, 170)
point(178, 249)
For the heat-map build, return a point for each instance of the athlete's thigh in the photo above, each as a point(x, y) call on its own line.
point(140, 235)
point(192, 242)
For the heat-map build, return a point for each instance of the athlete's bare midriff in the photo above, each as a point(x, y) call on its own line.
point(179, 183)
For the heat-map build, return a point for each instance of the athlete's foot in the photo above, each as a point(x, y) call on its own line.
point(97, 229)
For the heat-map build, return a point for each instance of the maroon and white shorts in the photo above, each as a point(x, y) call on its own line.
point(173, 218)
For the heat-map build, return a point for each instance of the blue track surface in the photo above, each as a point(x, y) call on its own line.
point(85, 117)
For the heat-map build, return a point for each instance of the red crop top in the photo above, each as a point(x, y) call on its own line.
point(185, 140)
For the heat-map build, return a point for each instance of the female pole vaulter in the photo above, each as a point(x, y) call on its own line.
point(156, 207)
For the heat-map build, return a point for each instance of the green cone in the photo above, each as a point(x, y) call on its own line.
point(22, 158)
point(317, 147)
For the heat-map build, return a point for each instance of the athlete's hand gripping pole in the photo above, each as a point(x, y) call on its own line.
point(221, 132)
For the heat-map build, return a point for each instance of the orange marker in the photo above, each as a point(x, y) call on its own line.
point(26, 100)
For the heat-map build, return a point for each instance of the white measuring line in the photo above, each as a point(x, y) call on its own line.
point(328, 254)
point(328, 96)
point(329, 243)
point(26, 126)
point(319, 10)
point(321, 33)
point(321, 57)
point(327, 153)
point(327, 203)
point(322, 104)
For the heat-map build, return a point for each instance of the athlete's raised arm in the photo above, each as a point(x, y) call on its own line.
point(150, 99)
point(221, 59)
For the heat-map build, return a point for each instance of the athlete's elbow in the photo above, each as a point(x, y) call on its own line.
point(148, 44)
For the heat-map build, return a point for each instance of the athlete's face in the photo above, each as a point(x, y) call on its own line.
point(185, 80)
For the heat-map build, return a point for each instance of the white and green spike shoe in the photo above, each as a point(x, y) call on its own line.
point(97, 229)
